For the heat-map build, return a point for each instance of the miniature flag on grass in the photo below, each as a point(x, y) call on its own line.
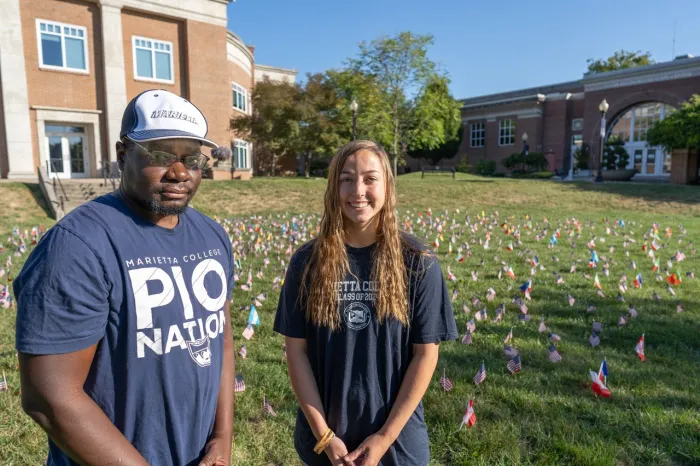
point(239, 384)
point(267, 407)
point(598, 386)
point(469, 418)
point(554, 355)
point(248, 332)
point(514, 365)
point(445, 382)
point(639, 349)
point(480, 375)
point(243, 352)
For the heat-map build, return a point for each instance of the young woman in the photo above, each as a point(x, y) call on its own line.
point(363, 308)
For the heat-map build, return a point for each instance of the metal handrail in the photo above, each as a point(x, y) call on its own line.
point(56, 178)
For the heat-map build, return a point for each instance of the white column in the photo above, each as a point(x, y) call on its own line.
point(114, 72)
point(15, 98)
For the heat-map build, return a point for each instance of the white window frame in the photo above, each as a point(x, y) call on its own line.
point(153, 59)
point(235, 87)
point(236, 144)
point(59, 25)
point(477, 134)
point(511, 136)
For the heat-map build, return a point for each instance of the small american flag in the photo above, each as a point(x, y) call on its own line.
point(267, 407)
point(553, 337)
point(510, 351)
point(554, 355)
point(481, 375)
point(471, 326)
point(543, 327)
point(3, 383)
point(284, 353)
point(597, 327)
point(243, 351)
point(514, 365)
point(467, 338)
point(481, 315)
point(248, 332)
point(509, 337)
point(445, 382)
point(594, 340)
point(622, 321)
point(239, 384)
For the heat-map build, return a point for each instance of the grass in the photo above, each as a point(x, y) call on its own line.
point(546, 414)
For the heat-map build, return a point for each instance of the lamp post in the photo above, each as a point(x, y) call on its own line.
point(603, 107)
point(526, 148)
point(353, 107)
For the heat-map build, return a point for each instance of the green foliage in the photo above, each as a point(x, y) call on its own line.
point(416, 93)
point(273, 125)
point(680, 129)
point(521, 163)
point(582, 156)
point(463, 166)
point(373, 120)
point(486, 167)
point(444, 151)
point(541, 175)
point(620, 60)
point(614, 154)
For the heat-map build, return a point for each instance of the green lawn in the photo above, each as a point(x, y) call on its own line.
point(546, 414)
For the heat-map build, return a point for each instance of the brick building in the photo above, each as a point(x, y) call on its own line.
point(559, 118)
point(69, 67)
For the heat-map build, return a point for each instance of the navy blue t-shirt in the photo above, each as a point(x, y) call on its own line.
point(359, 369)
point(152, 298)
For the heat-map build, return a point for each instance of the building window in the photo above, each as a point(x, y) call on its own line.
point(240, 154)
point(240, 97)
point(153, 60)
point(506, 133)
point(477, 134)
point(62, 46)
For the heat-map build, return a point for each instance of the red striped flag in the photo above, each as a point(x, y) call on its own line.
point(469, 418)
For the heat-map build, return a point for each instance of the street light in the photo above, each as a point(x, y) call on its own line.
point(353, 108)
point(603, 107)
point(525, 146)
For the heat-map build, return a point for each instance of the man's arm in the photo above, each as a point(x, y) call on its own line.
point(218, 449)
point(53, 395)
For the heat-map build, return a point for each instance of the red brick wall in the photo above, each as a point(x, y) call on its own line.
point(59, 88)
point(209, 83)
point(621, 99)
point(153, 27)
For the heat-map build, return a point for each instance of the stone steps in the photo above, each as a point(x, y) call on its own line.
point(76, 193)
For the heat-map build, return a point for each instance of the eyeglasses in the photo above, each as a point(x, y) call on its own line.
point(157, 158)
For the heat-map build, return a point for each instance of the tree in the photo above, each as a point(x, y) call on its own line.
point(401, 66)
point(320, 120)
point(680, 129)
point(373, 121)
point(620, 60)
point(436, 125)
point(272, 126)
point(582, 155)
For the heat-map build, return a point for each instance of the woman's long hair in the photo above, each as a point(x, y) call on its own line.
point(329, 260)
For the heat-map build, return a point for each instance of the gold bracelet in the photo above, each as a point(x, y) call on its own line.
point(324, 442)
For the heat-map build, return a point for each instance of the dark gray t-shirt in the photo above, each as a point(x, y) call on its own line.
point(359, 369)
point(153, 300)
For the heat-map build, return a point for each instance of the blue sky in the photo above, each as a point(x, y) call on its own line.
point(485, 46)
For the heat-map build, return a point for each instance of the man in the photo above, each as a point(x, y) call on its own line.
point(126, 351)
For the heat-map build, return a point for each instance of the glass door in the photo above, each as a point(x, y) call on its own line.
point(67, 149)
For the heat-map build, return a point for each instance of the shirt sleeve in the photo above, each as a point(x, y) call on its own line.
point(290, 320)
point(433, 320)
point(62, 296)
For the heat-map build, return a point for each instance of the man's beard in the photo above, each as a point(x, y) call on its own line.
point(156, 207)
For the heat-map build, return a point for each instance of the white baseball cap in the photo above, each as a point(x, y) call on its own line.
point(158, 114)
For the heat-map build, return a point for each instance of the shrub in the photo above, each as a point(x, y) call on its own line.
point(486, 167)
point(536, 161)
point(541, 175)
point(582, 155)
point(514, 161)
point(463, 167)
point(614, 155)
point(221, 153)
